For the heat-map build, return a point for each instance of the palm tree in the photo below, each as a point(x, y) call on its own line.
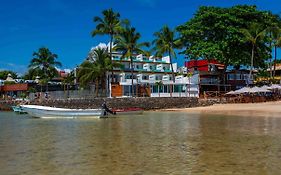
point(87, 73)
point(68, 80)
point(96, 71)
point(45, 61)
point(31, 74)
point(127, 43)
point(165, 43)
point(276, 39)
point(110, 25)
point(253, 34)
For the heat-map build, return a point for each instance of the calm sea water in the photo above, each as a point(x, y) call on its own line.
point(154, 143)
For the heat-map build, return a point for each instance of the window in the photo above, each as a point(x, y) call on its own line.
point(231, 76)
point(238, 77)
point(126, 90)
point(177, 88)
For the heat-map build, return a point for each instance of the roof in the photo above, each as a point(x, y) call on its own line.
point(199, 63)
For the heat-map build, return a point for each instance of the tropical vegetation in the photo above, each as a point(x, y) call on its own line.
point(165, 43)
point(237, 36)
point(127, 42)
point(109, 24)
point(4, 74)
point(215, 33)
point(276, 40)
point(96, 71)
point(254, 35)
point(45, 63)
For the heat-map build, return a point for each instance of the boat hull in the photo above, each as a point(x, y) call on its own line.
point(51, 112)
point(19, 110)
point(129, 111)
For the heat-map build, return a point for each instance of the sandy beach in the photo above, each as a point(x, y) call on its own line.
point(267, 109)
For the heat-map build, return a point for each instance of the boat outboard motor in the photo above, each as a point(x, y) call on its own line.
point(107, 110)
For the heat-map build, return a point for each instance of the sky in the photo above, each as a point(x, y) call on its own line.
point(64, 26)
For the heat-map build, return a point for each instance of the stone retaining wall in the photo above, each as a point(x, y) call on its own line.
point(5, 105)
point(145, 103)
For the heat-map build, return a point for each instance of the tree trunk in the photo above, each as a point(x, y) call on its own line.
point(274, 63)
point(132, 75)
point(252, 62)
point(103, 84)
point(159, 90)
point(172, 66)
point(97, 87)
point(173, 75)
point(67, 87)
point(108, 77)
point(270, 61)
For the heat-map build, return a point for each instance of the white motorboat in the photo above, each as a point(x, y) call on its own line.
point(18, 110)
point(52, 112)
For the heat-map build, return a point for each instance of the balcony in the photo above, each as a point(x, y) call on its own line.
point(116, 58)
point(167, 70)
point(209, 81)
point(140, 69)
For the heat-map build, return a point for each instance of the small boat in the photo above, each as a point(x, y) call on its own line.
point(128, 111)
point(18, 109)
point(52, 112)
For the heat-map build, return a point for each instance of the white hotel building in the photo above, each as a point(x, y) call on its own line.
point(152, 78)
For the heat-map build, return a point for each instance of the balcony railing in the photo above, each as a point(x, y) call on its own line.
point(209, 81)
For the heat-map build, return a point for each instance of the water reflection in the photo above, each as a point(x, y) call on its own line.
point(155, 143)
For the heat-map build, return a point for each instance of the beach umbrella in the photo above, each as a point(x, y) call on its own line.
point(231, 93)
point(9, 78)
point(275, 86)
point(264, 89)
point(259, 89)
point(254, 89)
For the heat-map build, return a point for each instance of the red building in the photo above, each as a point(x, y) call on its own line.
point(214, 77)
point(13, 89)
point(204, 65)
point(211, 73)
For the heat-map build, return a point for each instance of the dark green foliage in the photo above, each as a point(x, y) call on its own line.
point(109, 25)
point(44, 62)
point(9, 82)
point(254, 35)
point(165, 42)
point(69, 79)
point(4, 74)
point(127, 42)
point(31, 74)
point(215, 32)
point(95, 72)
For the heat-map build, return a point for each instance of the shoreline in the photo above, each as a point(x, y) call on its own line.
point(265, 109)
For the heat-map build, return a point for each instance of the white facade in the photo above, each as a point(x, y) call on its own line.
point(183, 87)
point(155, 73)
